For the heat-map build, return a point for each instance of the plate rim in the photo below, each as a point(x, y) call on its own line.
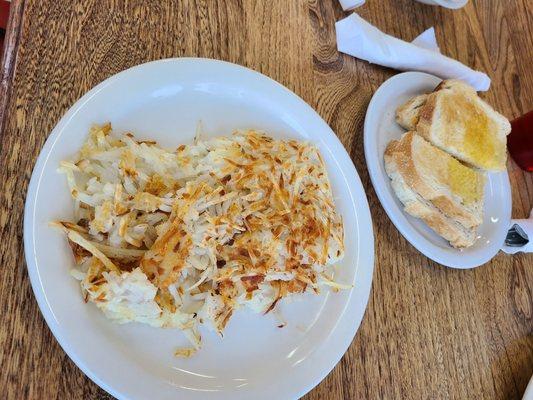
point(528, 393)
point(415, 239)
point(356, 189)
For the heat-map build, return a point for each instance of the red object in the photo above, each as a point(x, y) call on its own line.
point(520, 141)
point(4, 16)
point(4, 13)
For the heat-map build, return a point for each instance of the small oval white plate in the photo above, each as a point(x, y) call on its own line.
point(164, 100)
point(380, 129)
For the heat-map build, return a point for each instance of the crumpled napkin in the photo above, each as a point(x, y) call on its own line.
point(427, 40)
point(351, 4)
point(360, 39)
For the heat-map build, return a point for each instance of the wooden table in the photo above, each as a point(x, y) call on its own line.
point(429, 332)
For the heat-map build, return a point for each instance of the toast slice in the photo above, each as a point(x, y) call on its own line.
point(453, 188)
point(407, 114)
point(415, 205)
point(457, 121)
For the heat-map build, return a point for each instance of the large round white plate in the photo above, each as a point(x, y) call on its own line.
point(528, 394)
point(380, 129)
point(164, 100)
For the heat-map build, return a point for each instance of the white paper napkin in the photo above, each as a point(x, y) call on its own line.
point(351, 4)
point(360, 39)
point(427, 40)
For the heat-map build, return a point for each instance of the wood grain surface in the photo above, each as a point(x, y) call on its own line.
point(429, 332)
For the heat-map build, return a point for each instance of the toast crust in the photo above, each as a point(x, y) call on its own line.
point(407, 114)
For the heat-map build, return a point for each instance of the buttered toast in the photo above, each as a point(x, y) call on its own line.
point(449, 185)
point(457, 121)
point(415, 205)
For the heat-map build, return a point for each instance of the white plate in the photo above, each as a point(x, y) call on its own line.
point(164, 100)
point(380, 129)
point(528, 394)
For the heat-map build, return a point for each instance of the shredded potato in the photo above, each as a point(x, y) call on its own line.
point(174, 238)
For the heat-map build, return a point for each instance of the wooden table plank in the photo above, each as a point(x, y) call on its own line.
point(429, 332)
